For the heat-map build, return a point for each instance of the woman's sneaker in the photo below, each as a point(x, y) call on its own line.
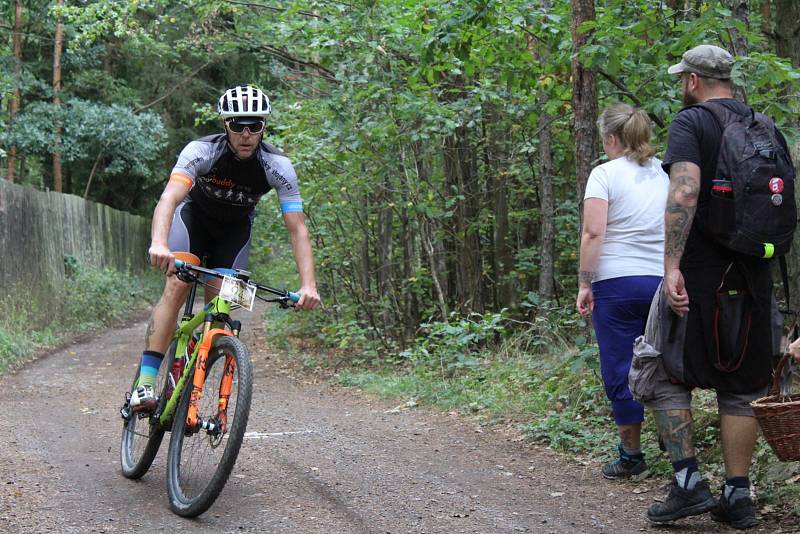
point(627, 466)
point(143, 399)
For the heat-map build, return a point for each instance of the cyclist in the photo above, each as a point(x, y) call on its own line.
point(207, 209)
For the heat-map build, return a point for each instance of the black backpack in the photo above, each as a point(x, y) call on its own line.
point(753, 211)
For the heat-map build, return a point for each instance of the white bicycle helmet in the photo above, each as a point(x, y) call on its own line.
point(243, 101)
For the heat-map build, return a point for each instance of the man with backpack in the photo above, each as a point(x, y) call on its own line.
point(730, 209)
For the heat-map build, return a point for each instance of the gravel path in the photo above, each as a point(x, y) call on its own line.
point(317, 458)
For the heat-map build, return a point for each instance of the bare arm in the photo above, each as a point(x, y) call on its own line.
point(304, 258)
point(595, 219)
point(684, 188)
point(160, 255)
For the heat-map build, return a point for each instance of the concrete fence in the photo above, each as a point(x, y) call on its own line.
point(39, 229)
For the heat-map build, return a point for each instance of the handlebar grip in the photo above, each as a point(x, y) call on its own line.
point(294, 297)
point(179, 264)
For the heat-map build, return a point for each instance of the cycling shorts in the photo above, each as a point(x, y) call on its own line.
point(222, 244)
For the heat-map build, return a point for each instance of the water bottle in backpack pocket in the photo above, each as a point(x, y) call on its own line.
point(721, 207)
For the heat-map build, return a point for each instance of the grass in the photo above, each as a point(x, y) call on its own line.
point(91, 298)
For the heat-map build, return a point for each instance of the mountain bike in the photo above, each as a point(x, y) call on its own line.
point(205, 382)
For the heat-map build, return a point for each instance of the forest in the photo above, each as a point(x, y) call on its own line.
point(442, 147)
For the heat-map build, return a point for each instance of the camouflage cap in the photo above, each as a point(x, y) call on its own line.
point(708, 61)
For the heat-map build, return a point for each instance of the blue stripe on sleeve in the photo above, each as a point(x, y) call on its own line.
point(294, 206)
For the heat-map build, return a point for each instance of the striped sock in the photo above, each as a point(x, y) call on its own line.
point(148, 369)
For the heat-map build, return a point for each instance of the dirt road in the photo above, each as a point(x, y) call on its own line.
point(317, 458)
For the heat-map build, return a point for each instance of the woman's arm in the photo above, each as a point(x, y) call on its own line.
point(595, 218)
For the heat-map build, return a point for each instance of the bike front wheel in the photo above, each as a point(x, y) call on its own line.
point(141, 433)
point(200, 460)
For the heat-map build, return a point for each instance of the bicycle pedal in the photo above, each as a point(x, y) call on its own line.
point(125, 409)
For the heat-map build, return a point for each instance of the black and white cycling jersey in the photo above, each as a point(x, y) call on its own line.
point(228, 189)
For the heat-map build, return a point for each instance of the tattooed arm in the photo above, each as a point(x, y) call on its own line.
point(595, 218)
point(684, 188)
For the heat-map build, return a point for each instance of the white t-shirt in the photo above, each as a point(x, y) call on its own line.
point(637, 196)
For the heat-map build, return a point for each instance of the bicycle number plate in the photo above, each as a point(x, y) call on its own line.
point(238, 292)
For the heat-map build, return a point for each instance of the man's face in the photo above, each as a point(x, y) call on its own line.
point(689, 82)
point(244, 135)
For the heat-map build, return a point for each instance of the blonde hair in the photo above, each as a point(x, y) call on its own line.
point(632, 127)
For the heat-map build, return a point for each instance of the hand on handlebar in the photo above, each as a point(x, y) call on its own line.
point(309, 299)
point(162, 258)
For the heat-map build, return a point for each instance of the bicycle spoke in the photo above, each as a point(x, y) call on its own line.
point(141, 437)
point(202, 451)
point(201, 461)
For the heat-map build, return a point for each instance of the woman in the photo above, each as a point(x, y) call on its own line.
point(621, 264)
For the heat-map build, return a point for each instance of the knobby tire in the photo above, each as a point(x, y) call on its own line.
point(190, 454)
point(135, 464)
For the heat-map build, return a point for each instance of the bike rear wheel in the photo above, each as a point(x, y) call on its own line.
point(141, 434)
point(200, 461)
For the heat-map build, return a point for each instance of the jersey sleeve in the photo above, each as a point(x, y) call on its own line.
point(192, 162)
point(597, 184)
point(283, 179)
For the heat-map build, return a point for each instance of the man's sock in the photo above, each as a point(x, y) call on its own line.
point(148, 368)
point(687, 473)
point(736, 488)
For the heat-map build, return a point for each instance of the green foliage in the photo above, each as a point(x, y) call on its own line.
point(129, 141)
point(91, 298)
point(451, 344)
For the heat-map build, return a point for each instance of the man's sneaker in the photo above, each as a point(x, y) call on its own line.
point(740, 514)
point(635, 470)
point(682, 503)
point(143, 399)
point(626, 466)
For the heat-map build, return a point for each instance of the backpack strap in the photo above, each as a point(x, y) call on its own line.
point(724, 115)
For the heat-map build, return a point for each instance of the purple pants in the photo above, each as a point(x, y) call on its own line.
point(620, 312)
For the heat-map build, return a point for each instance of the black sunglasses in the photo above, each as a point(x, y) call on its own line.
point(239, 127)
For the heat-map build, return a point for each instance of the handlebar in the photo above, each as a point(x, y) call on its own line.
point(241, 275)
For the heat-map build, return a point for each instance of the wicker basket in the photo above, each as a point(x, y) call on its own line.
point(779, 417)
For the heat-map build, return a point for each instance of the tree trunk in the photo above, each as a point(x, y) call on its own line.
point(459, 168)
point(547, 233)
point(59, 44)
point(766, 19)
point(16, 96)
point(503, 256)
point(584, 99)
point(740, 10)
point(385, 223)
point(546, 208)
point(787, 30)
point(410, 304)
point(366, 264)
point(428, 240)
point(500, 255)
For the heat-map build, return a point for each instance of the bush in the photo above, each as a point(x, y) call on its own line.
point(92, 297)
